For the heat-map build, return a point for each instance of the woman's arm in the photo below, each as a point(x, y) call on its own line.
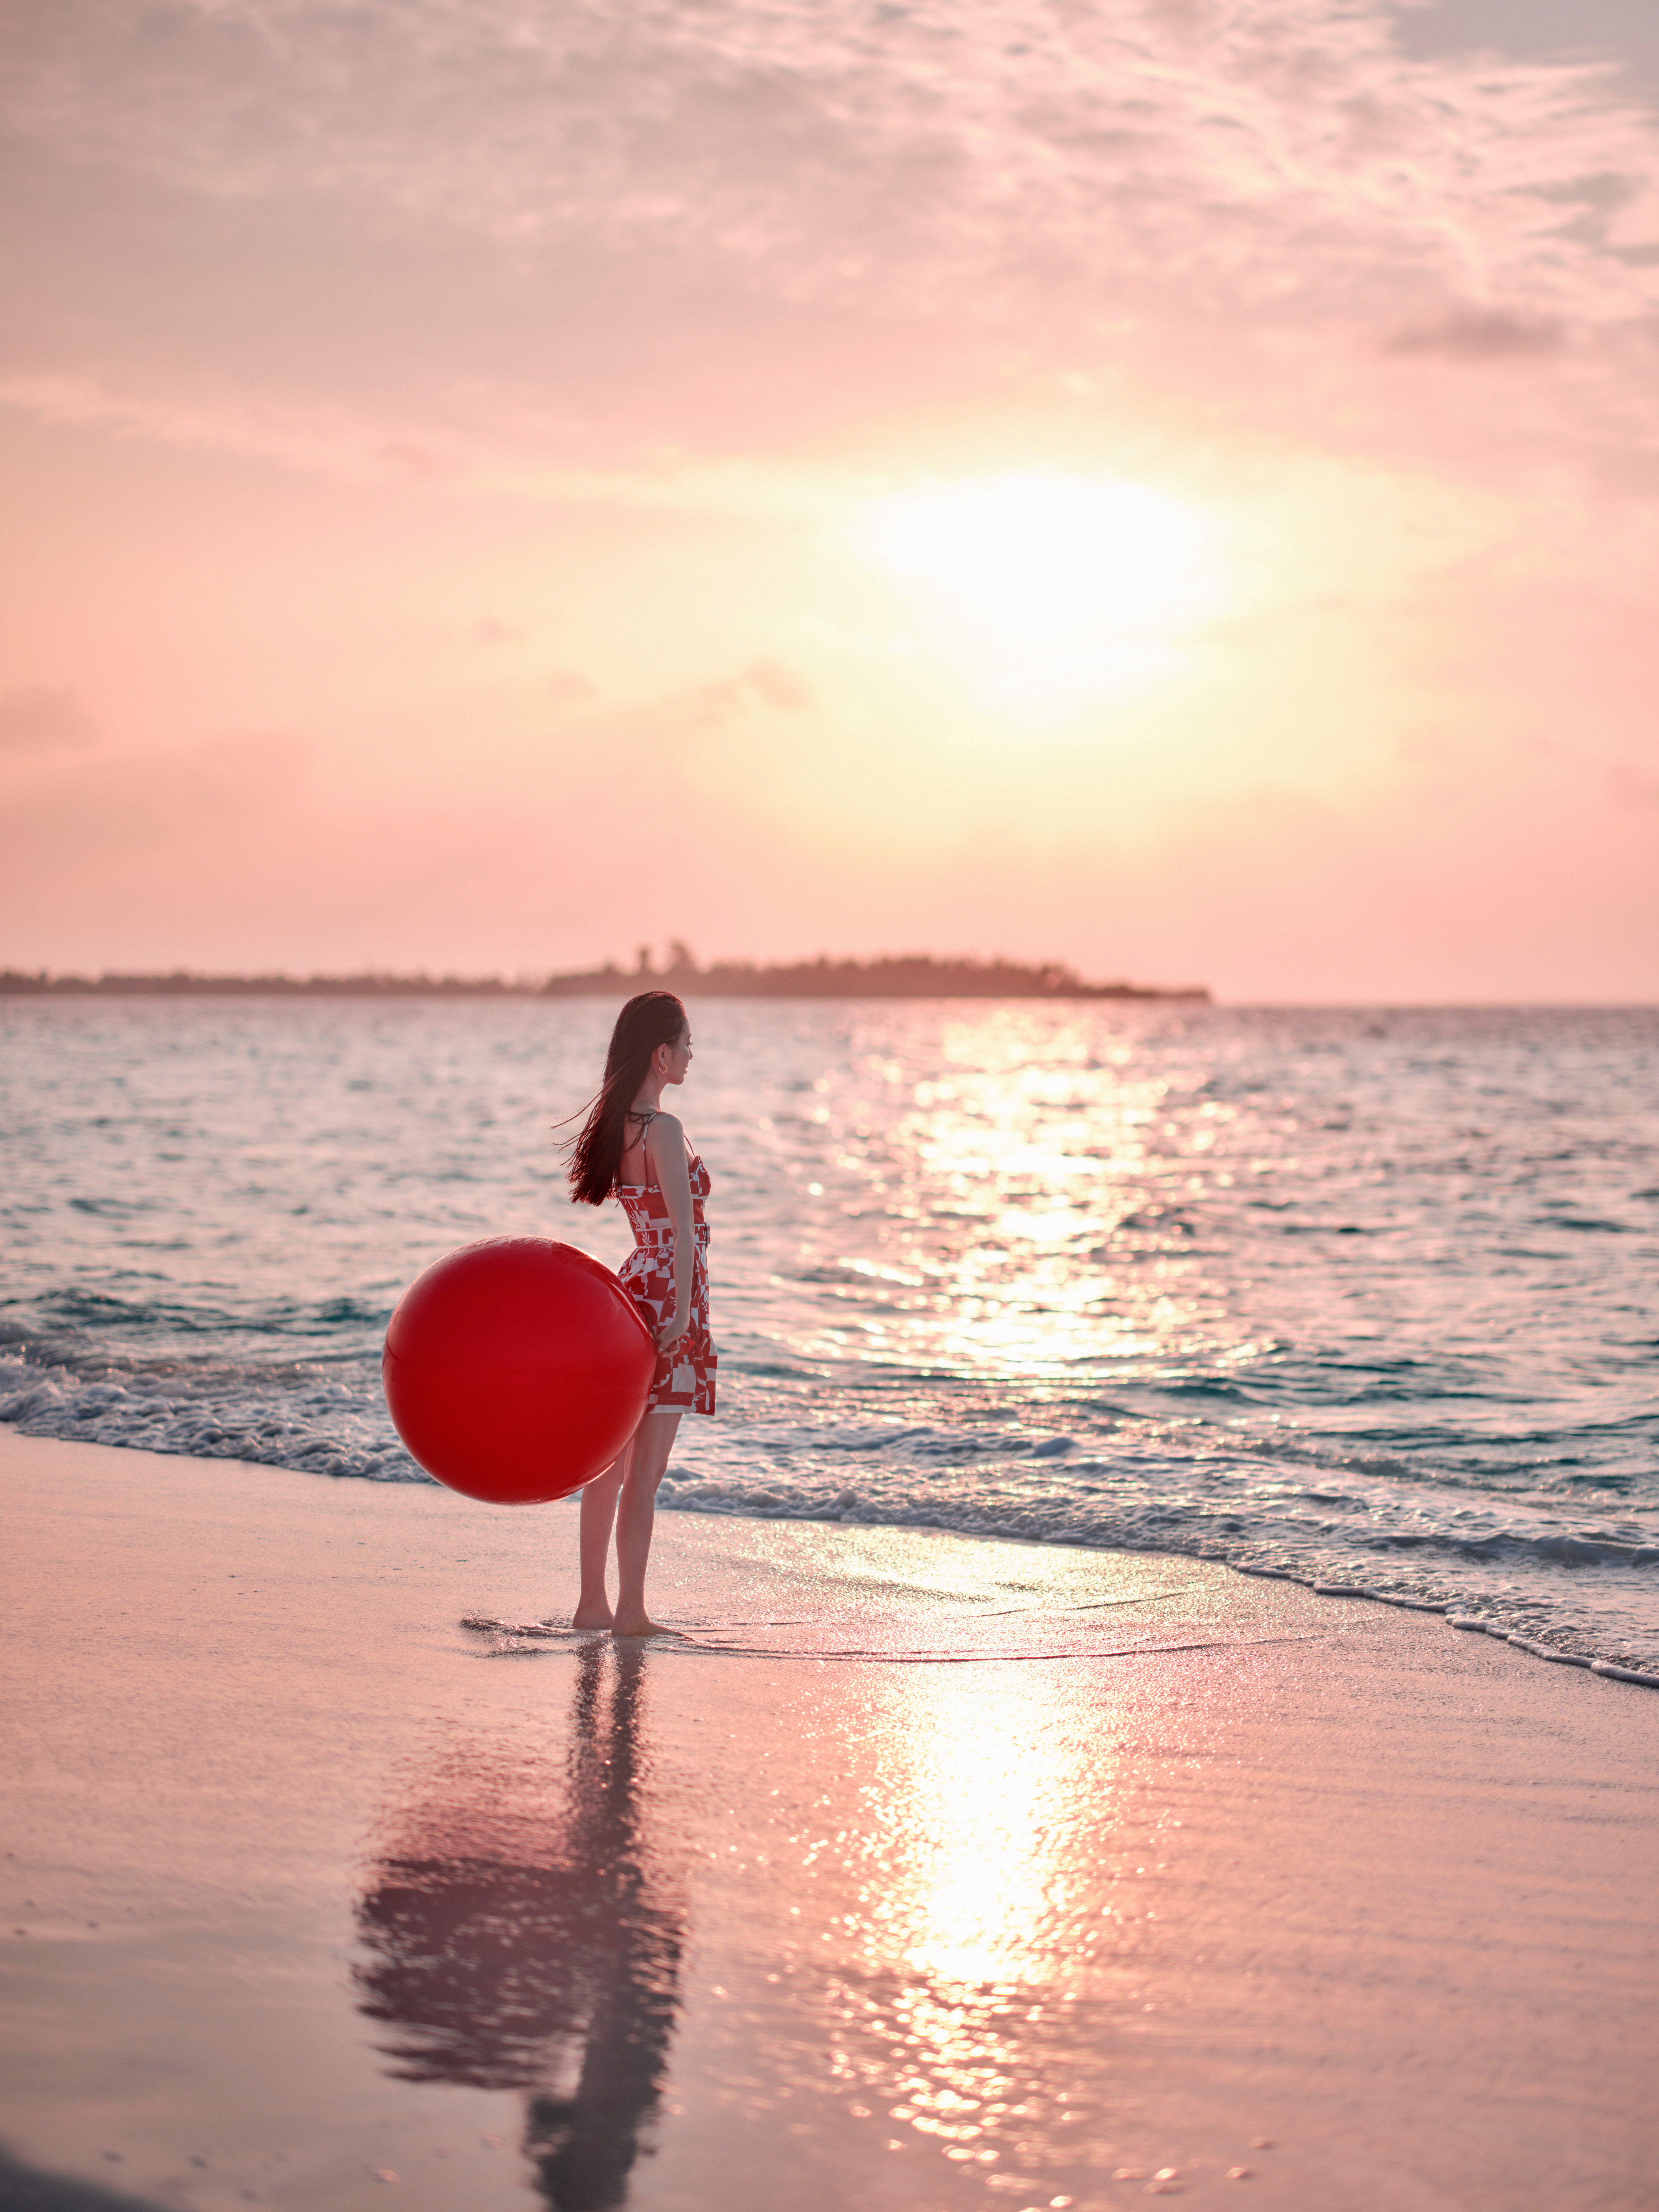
point(665, 1146)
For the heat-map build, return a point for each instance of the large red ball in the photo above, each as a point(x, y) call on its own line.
point(516, 1369)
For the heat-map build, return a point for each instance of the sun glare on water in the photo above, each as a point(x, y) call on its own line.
point(1053, 588)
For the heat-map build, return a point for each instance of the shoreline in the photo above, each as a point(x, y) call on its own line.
point(1468, 1615)
point(320, 1886)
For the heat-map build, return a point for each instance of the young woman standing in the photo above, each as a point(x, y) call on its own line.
point(630, 1149)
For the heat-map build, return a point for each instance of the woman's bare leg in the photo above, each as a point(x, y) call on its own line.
point(642, 1469)
point(599, 1511)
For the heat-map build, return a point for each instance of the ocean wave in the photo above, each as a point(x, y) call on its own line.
point(1530, 1564)
point(324, 1429)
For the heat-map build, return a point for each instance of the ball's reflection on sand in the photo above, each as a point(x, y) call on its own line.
point(523, 1932)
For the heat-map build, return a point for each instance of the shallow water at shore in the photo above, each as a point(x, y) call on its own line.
point(1367, 1296)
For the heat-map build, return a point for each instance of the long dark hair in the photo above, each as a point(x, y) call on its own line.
point(654, 1018)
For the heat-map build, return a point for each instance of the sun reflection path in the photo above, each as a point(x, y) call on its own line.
point(975, 1895)
point(955, 2017)
point(1025, 1212)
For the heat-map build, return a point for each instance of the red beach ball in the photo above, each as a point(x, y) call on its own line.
point(516, 1369)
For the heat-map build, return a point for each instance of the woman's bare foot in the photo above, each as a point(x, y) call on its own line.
point(592, 1616)
point(639, 1625)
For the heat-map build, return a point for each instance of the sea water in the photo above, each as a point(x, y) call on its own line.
point(1368, 1297)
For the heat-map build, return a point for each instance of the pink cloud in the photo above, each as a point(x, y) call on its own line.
point(547, 225)
point(36, 717)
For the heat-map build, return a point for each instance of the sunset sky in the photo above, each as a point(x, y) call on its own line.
point(1171, 485)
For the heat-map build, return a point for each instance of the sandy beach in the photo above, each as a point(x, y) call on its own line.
point(924, 1873)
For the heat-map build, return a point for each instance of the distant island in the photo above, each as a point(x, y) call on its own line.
point(893, 976)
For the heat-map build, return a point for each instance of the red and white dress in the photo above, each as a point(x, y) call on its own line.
point(685, 1372)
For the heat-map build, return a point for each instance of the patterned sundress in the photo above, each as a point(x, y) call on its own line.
point(685, 1372)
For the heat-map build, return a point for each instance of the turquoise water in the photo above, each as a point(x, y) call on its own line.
point(1367, 1296)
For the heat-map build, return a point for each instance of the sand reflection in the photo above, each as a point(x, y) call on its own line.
point(522, 1934)
point(984, 1819)
point(981, 1930)
point(975, 1895)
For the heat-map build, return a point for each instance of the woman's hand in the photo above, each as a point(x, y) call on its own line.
point(672, 1331)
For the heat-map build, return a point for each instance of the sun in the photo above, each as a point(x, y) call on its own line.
point(1050, 586)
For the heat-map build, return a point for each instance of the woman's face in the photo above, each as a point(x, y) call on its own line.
point(674, 1058)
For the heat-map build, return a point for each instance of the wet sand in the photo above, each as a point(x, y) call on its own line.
point(929, 1873)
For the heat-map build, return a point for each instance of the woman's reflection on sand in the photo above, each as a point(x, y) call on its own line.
point(522, 1936)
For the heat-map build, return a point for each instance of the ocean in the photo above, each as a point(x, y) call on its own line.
point(1366, 1298)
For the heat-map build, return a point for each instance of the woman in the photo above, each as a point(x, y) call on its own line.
point(630, 1149)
